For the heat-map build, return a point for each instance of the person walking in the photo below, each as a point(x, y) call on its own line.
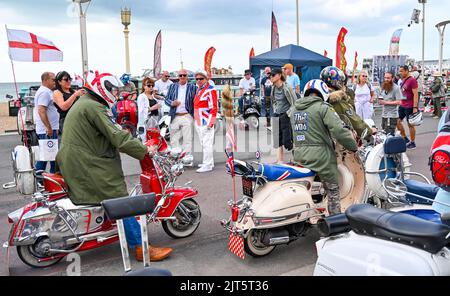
point(364, 97)
point(284, 98)
point(64, 96)
point(266, 102)
point(438, 92)
point(391, 97)
point(409, 105)
point(292, 78)
point(46, 115)
point(180, 99)
point(205, 113)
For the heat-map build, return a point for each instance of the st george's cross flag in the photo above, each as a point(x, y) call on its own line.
point(27, 47)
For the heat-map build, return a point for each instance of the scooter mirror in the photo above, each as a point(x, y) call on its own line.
point(141, 130)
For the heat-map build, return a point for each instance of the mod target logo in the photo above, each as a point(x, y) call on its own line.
point(50, 144)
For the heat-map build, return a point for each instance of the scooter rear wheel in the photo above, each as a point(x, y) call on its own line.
point(29, 256)
point(254, 247)
point(180, 228)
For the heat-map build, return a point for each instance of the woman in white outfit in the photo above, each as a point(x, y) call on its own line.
point(364, 97)
point(148, 105)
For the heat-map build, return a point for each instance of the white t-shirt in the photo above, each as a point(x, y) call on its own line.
point(247, 84)
point(182, 98)
point(362, 94)
point(162, 87)
point(44, 97)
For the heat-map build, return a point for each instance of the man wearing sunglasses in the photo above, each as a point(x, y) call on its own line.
point(180, 99)
point(205, 113)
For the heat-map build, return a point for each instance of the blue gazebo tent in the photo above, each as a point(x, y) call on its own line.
point(308, 64)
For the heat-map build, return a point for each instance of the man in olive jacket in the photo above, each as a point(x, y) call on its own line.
point(89, 158)
point(315, 125)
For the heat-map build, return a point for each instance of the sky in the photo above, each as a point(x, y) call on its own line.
point(233, 27)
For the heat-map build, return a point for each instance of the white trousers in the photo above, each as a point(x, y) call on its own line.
point(206, 137)
point(181, 129)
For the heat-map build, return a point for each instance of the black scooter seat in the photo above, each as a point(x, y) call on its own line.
point(423, 189)
point(398, 227)
point(125, 207)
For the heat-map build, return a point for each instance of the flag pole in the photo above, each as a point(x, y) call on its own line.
point(25, 140)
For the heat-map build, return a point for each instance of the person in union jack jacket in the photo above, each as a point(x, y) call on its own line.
point(205, 113)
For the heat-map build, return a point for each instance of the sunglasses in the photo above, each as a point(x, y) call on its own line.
point(364, 76)
point(182, 75)
point(199, 79)
point(149, 85)
point(67, 79)
point(166, 76)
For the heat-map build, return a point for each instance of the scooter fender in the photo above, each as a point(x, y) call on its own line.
point(179, 194)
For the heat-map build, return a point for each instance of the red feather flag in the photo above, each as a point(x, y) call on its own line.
point(275, 36)
point(208, 60)
point(325, 54)
point(355, 65)
point(341, 63)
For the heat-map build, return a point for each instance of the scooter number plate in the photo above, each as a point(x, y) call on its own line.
point(247, 187)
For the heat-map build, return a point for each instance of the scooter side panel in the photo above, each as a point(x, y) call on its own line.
point(355, 255)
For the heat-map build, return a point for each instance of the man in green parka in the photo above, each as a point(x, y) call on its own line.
point(343, 103)
point(89, 158)
point(315, 125)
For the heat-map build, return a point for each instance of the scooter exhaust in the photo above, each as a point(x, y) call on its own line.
point(276, 237)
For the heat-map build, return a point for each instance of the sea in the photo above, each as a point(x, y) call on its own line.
point(9, 89)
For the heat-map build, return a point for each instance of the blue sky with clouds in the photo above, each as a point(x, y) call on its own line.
point(232, 26)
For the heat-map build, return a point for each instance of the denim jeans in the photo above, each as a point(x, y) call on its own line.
point(42, 165)
point(241, 105)
point(266, 101)
point(132, 232)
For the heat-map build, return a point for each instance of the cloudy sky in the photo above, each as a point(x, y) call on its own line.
point(231, 26)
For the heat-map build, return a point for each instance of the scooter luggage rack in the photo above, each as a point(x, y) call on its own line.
point(121, 208)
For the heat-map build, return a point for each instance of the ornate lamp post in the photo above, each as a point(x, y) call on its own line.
point(441, 28)
point(126, 21)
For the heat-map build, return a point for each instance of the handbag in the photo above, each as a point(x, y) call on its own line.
point(48, 148)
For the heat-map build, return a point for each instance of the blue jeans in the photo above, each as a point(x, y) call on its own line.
point(241, 105)
point(42, 165)
point(132, 232)
point(264, 110)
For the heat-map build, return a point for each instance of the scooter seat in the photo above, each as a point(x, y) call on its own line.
point(398, 227)
point(422, 189)
point(124, 207)
point(394, 145)
point(279, 172)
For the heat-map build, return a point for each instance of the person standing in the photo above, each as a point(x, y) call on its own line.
point(46, 115)
point(128, 86)
point(180, 99)
point(438, 92)
point(147, 104)
point(205, 113)
point(89, 157)
point(246, 84)
point(292, 78)
point(364, 97)
point(64, 96)
point(284, 98)
point(266, 102)
point(391, 97)
point(162, 85)
point(409, 105)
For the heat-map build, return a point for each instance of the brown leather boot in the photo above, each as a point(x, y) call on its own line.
point(156, 254)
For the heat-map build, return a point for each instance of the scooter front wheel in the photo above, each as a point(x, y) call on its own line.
point(187, 216)
point(253, 245)
point(31, 257)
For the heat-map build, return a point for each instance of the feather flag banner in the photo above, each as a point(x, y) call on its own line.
point(341, 62)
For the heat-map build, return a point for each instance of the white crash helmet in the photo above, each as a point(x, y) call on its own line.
point(319, 87)
point(416, 119)
point(102, 85)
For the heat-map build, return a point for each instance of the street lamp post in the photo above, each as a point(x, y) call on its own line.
point(126, 21)
point(84, 52)
point(423, 2)
point(441, 29)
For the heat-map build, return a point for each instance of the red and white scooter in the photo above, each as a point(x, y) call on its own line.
point(51, 226)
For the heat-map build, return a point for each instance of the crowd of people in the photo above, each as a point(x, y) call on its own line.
point(84, 122)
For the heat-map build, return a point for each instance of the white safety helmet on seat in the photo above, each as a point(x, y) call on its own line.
point(318, 87)
point(102, 85)
point(416, 119)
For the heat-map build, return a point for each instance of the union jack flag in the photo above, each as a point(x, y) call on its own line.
point(205, 107)
point(230, 135)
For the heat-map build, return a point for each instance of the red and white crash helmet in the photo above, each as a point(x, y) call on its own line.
point(103, 85)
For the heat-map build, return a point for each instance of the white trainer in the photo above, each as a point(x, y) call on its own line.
point(205, 169)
